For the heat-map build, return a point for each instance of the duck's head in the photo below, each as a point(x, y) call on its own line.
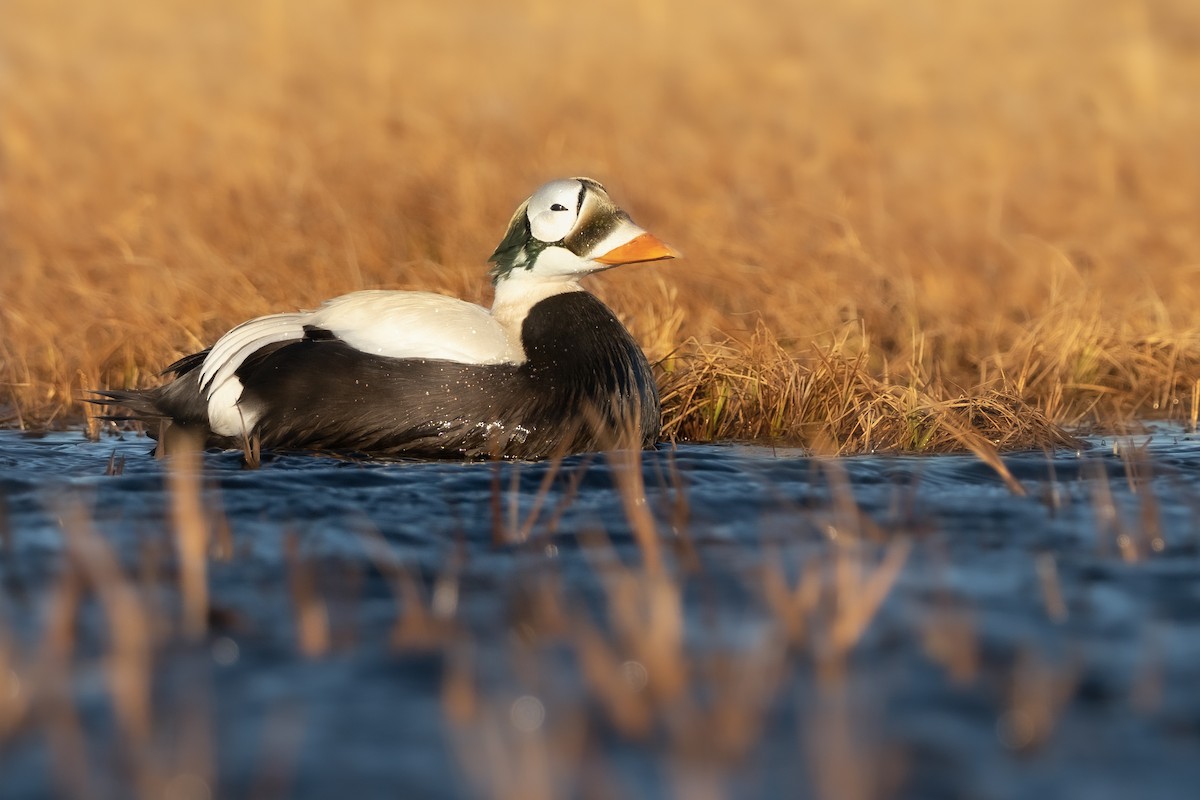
point(570, 228)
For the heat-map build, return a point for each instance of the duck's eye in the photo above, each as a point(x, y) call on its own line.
point(558, 207)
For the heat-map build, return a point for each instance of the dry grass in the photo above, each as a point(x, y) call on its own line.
point(901, 221)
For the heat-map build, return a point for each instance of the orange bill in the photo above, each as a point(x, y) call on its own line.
point(641, 248)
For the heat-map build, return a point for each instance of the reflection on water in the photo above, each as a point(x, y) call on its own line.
point(749, 624)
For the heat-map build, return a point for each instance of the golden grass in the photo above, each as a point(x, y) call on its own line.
point(901, 221)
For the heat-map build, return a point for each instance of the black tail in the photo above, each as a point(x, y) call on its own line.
point(137, 405)
point(179, 401)
point(178, 404)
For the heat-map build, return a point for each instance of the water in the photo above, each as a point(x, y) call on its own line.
point(444, 630)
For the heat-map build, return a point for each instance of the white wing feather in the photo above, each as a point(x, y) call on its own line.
point(234, 347)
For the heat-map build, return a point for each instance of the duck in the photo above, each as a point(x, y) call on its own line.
point(547, 371)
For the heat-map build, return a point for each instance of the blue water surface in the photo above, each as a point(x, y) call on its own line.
point(1035, 645)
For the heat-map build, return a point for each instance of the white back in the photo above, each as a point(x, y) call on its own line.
point(416, 325)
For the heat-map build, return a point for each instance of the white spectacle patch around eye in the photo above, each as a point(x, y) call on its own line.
point(554, 209)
